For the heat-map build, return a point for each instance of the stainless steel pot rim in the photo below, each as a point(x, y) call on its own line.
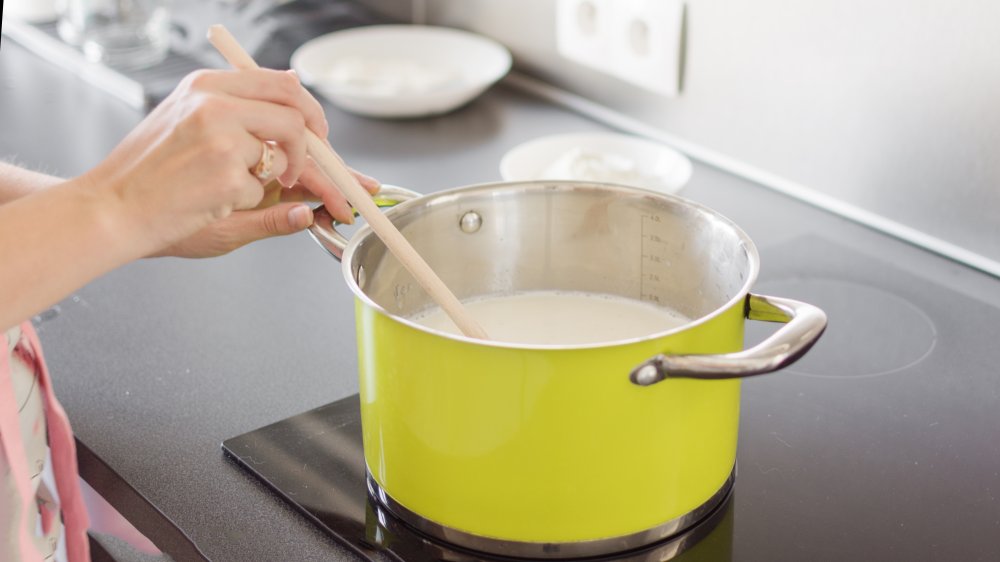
point(445, 196)
point(550, 550)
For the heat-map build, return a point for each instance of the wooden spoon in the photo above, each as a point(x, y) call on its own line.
point(330, 162)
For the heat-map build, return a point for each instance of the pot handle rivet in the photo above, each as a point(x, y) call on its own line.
point(470, 222)
point(647, 374)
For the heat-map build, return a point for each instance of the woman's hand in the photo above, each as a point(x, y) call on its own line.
point(281, 211)
point(189, 163)
point(180, 183)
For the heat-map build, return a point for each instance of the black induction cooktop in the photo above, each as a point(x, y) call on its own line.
point(883, 443)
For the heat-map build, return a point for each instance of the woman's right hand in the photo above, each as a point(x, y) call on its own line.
point(188, 164)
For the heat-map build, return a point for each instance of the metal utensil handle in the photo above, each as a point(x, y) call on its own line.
point(804, 325)
point(324, 227)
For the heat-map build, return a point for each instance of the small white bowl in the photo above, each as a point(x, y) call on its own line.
point(603, 157)
point(401, 70)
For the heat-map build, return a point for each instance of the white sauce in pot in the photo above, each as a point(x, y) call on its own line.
point(560, 318)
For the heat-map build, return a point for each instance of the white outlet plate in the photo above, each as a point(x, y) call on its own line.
point(639, 41)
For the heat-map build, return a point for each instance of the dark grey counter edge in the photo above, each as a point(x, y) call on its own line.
point(135, 507)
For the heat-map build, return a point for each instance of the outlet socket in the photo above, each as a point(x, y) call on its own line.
point(638, 41)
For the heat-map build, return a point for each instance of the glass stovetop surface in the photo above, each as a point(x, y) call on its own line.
point(883, 443)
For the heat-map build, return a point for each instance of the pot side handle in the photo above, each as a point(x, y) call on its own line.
point(804, 325)
point(324, 227)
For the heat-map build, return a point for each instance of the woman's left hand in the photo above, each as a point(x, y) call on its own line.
point(282, 211)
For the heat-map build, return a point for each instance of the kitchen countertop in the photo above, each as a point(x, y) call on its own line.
point(160, 361)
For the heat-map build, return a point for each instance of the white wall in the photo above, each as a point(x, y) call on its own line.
point(892, 105)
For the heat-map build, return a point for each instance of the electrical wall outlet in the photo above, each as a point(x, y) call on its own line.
point(639, 41)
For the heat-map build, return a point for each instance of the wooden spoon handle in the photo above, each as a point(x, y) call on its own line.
point(331, 163)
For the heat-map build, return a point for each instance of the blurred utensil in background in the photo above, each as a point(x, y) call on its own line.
point(270, 30)
point(126, 35)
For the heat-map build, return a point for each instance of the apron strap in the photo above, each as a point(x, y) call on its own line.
point(13, 446)
point(63, 449)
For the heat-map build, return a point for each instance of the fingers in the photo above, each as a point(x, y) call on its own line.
point(274, 86)
point(281, 90)
point(272, 195)
point(271, 162)
point(272, 105)
point(250, 194)
point(285, 218)
point(370, 184)
point(297, 193)
point(275, 193)
point(280, 124)
point(316, 181)
point(247, 226)
point(244, 227)
point(312, 181)
point(193, 160)
point(241, 228)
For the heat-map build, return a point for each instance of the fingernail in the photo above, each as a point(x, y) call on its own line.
point(369, 181)
point(347, 212)
point(293, 73)
point(300, 216)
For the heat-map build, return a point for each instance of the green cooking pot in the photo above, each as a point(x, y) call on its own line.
point(549, 451)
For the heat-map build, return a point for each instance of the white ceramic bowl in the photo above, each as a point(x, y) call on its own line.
point(603, 157)
point(401, 70)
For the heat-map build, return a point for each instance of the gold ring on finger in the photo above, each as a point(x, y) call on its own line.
point(264, 167)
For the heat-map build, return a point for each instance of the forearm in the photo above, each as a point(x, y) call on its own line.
point(56, 240)
point(17, 182)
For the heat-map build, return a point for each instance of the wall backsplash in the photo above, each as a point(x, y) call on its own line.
point(892, 106)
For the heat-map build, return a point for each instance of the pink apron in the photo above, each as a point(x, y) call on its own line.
point(63, 451)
